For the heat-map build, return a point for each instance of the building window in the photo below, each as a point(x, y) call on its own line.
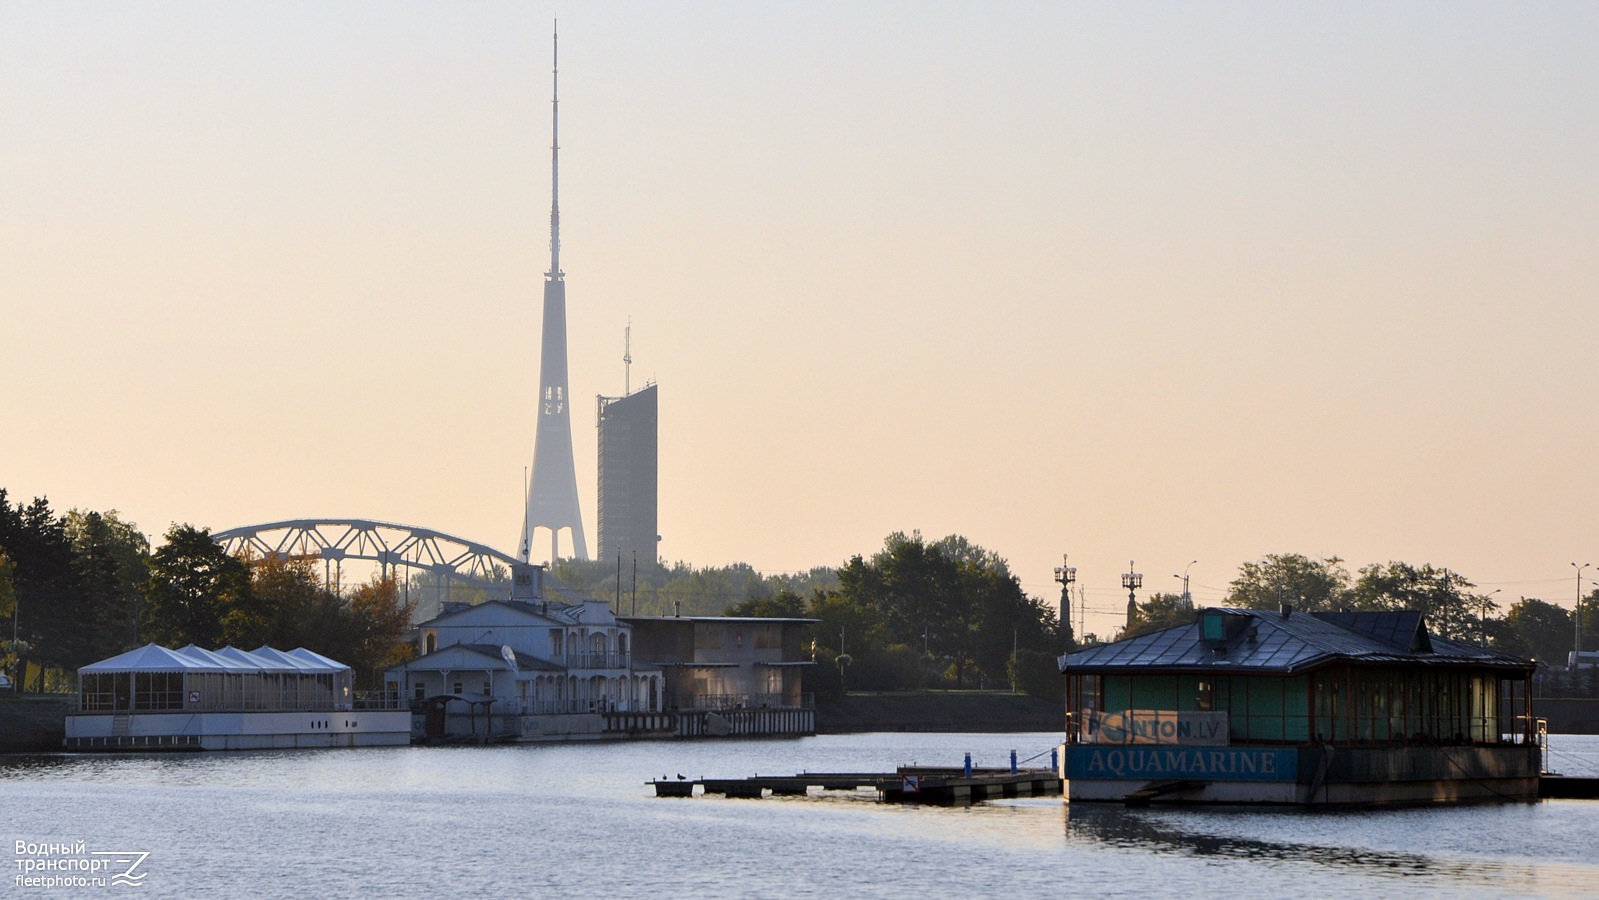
point(421, 692)
point(457, 688)
point(430, 643)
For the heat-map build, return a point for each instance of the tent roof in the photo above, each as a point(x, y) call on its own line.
point(319, 659)
point(152, 658)
point(213, 657)
point(262, 663)
point(155, 658)
point(301, 659)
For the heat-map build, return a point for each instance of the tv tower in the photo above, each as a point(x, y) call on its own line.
point(552, 497)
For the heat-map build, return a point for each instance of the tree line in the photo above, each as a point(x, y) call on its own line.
point(924, 614)
point(83, 586)
point(917, 614)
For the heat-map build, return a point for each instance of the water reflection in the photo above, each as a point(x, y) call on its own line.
point(1205, 833)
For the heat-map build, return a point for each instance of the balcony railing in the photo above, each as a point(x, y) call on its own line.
point(380, 700)
point(561, 707)
point(753, 701)
point(598, 660)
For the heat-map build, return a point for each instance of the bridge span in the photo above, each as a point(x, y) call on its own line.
point(449, 559)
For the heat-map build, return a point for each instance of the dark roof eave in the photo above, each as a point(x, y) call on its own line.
point(1298, 669)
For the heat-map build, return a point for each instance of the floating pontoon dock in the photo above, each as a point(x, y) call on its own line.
point(907, 784)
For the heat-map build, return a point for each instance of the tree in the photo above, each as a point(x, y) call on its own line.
point(112, 560)
point(193, 590)
point(9, 654)
point(782, 605)
point(1306, 584)
point(1158, 613)
point(1590, 622)
point(46, 583)
point(1537, 629)
point(378, 625)
point(1444, 596)
point(952, 597)
point(290, 607)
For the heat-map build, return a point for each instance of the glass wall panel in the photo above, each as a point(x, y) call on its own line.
point(1154, 692)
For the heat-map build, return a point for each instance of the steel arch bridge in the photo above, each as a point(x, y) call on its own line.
point(388, 544)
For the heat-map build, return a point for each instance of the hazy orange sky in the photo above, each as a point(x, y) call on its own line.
point(1161, 282)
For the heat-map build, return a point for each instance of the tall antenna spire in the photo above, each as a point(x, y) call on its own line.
point(627, 359)
point(555, 272)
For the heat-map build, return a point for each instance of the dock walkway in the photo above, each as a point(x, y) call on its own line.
point(907, 784)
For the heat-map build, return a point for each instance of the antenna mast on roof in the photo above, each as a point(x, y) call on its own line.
point(627, 358)
point(555, 157)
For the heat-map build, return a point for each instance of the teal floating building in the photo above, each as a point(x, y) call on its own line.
point(1286, 707)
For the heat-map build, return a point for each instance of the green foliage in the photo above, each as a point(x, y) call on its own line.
point(112, 558)
point(1444, 596)
point(379, 623)
point(197, 593)
point(1590, 621)
point(951, 597)
point(8, 591)
point(1307, 584)
point(1535, 629)
point(1038, 674)
point(660, 590)
point(72, 583)
point(784, 604)
point(291, 606)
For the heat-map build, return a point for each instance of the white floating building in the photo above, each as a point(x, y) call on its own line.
point(154, 698)
point(522, 671)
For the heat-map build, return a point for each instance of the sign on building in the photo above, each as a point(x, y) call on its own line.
point(1160, 726)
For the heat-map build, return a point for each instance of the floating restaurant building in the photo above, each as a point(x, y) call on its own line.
point(548, 671)
point(529, 671)
point(731, 675)
point(154, 698)
point(1286, 707)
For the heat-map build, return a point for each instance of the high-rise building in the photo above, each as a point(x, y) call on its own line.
point(552, 496)
point(628, 475)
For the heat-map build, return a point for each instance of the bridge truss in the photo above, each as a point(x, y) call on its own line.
point(448, 558)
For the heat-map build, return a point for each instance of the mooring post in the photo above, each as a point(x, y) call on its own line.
point(1054, 760)
point(1013, 762)
point(968, 765)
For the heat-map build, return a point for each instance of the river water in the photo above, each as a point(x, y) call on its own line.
point(580, 820)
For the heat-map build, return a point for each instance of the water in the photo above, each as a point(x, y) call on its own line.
point(575, 819)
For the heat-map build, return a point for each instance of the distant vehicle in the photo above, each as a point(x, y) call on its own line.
point(5, 682)
point(1587, 659)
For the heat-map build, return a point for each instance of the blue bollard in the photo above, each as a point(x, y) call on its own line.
point(968, 765)
point(1013, 762)
point(1054, 760)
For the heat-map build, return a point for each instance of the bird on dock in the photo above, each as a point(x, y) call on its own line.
point(680, 777)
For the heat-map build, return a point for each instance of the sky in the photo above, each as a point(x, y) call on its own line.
point(1151, 282)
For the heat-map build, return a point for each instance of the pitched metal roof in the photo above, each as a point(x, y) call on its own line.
point(551, 611)
point(491, 652)
point(1284, 644)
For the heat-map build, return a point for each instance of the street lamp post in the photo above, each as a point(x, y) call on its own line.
point(1131, 582)
point(1576, 616)
point(1482, 629)
point(1064, 576)
point(1188, 599)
